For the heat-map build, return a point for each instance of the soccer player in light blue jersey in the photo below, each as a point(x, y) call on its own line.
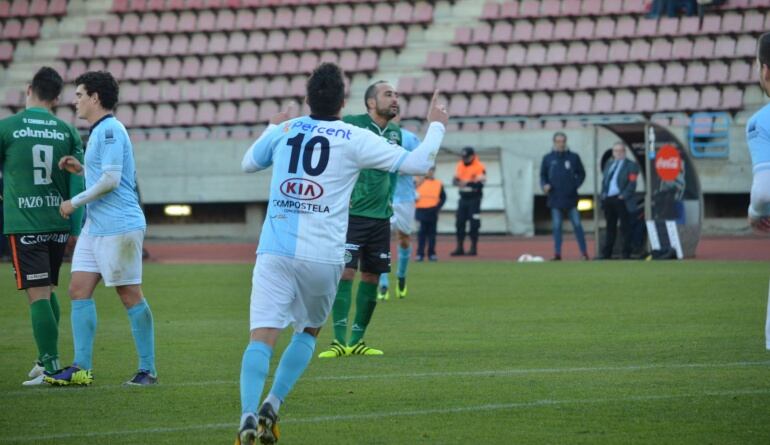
point(110, 244)
point(758, 139)
point(404, 197)
point(316, 161)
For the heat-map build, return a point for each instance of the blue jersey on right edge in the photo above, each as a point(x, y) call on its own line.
point(109, 149)
point(758, 138)
point(406, 190)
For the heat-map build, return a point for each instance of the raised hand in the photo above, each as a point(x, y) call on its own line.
point(436, 112)
point(283, 116)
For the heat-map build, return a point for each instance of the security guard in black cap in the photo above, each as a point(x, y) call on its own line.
point(470, 176)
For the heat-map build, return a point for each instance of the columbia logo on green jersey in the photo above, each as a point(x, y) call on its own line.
point(42, 134)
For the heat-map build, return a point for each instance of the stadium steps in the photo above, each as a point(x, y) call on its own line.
point(420, 41)
point(28, 58)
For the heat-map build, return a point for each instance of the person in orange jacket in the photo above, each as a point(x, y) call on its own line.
point(431, 198)
point(470, 176)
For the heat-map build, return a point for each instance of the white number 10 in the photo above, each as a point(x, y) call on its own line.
point(42, 163)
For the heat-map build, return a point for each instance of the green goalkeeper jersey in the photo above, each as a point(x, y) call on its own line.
point(373, 192)
point(31, 144)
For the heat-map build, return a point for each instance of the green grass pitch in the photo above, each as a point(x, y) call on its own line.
point(479, 353)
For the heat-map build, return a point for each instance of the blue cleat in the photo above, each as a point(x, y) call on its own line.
point(71, 375)
point(143, 378)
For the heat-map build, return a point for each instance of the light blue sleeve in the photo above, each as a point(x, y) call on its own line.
point(113, 143)
point(758, 138)
point(409, 140)
point(262, 149)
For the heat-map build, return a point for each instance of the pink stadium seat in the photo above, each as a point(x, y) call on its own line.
point(198, 44)
point(396, 37)
point(95, 65)
point(646, 28)
point(276, 41)
point(6, 51)
point(268, 64)
point(297, 86)
point(561, 103)
point(356, 37)
point(577, 52)
point(426, 83)
point(167, 22)
point(645, 101)
point(502, 32)
point(585, 29)
point(85, 49)
point(368, 60)
point(485, 82)
point(307, 62)
point(746, 46)
point(603, 102)
point(681, 49)
point(303, 18)
point(668, 26)
point(257, 42)
point(185, 114)
point(343, 15)
point(675, 74)
point(152, 68)
point(482, 34)
point(244, 20)
point(589, 77)
point(94, 27)
point(466, 82)
point(640, 50)
point(227, 113)
point(434, 60)
point(255, 89)
point(129, 93)
point(498, 105)
point(149, 24)
point(237, 43)
point(541, 104)
point(550, 8)
point(30, 29)
point(527, 79)
point(632, 76)
point(67, 50)
point(454, 59)
point(612, 7)
point(660, 50)
point(625, 27)
point(423, 12)
point(122, 47)
point(689, 26)
point(418, 107)
point(149, 92)
point(375, 38)
point(618, 51)
point(740, 72)
point(191, 66)
point(731, 24)
point(696, 73)
point(186, 22)
point(133, 69)
point(57, 8)
point(564, 29)
point(653, 74)
point(205, 114)
point(582, 103)
point(160, 45)
point(507, 79)
point(164, 116)
point(523, 31)
point(129, 24)
point(490, 10)
point(283, 18)
point(610, 77)
point(753, 22)
point(217, 43)
point(591, 7)
point(605, 28)
point(406, 85)
point(571, 8)
point(514, 55)
point(249, 65)
point(598, 51)
point(116, 67)
point(568, 78)
point(141, 46)
point(724, 48)
point(543, 30)
point(179, 45)
point(248, 111)
point(623, 101)
point(710, 98)
point(535, 55)
point(75, 69)
point(458, 105)
point(348, 60)
point(717, 72)
point(732, 98)
point(229, 66)
point(446, 81)
point(703, 48)
point(666, 100)
point(463, 35)
point(494, 56)
point(711, 25)
point(519, 105)
point(557, 54)
point(479, 105)
point(549, 78)
point(323, 17)
point(529, 8)
point(296, 40)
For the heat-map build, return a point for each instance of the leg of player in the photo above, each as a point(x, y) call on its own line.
point(45, 329)
point(404, 252)
point(383, 292)
point(340, 313)
point(767, 323)
point(366, 301)
point(143, 330)
point(83, 319)
point(254, 368)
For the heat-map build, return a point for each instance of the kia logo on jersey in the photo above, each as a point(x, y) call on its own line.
point(302, 189)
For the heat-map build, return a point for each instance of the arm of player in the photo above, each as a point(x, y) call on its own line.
point(260, 155)
point(422, 158)
point(108, 181)
point(759, 208)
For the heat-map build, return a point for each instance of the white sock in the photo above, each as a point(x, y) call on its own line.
point(274, 401)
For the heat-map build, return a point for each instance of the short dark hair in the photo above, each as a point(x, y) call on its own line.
point(560, 133)
point(763, 49)
point(371, 92)
point(326, 90)
point(104, 84)
point(47, 84)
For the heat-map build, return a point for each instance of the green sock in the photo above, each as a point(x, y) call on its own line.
point(341, 309)
point(55, 307)
point(46, 333)
point(366, 301)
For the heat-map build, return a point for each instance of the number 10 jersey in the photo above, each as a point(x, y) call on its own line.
point(31, 144)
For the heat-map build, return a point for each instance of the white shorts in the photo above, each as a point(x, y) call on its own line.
point(118, 258)
point(403, 217)
point(290, 291)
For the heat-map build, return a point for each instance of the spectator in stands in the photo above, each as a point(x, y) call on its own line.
point(561, 174)
point(470, 176)
point(672, 8)
point(618, 199)
point(430, 199)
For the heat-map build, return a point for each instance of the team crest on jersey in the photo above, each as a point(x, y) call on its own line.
point(393, 138)
point(302, 189)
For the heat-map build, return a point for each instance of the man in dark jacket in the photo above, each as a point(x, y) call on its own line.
point(618, 199)
point(561, 174)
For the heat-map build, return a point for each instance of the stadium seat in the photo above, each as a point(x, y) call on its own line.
point(626, 27)
point(717, 72)
point(556, 54)
point(584, 29)
point(543, 30)
point(548, 79)
point(689, 99)
point(605, 28)
point(523, 31)
point(666, 100)
point(577, 53)
point(479, 105)
point(529, 8)
point(561, 103)
point(711, 98)
point(466, 82)
point(514, 55)
point(731, 23)
point(653, 74)
point(645, 101)
point(623, 101)
point(610, 77)
point(144, 116)
point(568, 78)
point(564, 29)
point(740, 72)
point(85, 48)
point(185, 114)
point(618, 51)
point(732, 98)
point(646, 28)
point(140, 46)
point(724, 47)
point(603, 102)
point(527, 79)
point(582, 103)
point(660, 49)
point(519, 105)
point(160, 46)
point(696, 72)
point(152, 68)
point(589, 77)
point(501, 33)
point(536, 55)
point(675, 74)
point(598, 51)
point(541, 104)
point(507, 79)
point(205, 114)
point(640, 50)
point(498, 105)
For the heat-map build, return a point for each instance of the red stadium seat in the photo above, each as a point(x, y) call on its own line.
point(12, 29)
point(30, 29)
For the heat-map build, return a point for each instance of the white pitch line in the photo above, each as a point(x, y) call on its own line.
point(414, 375)
point(381, 415)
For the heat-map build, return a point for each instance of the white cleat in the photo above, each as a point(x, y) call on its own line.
point(36, 371)
point(35, 381)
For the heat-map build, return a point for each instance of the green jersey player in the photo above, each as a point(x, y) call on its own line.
point(31, 144)
point(368, 236)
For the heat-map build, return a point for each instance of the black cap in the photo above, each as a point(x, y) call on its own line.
point(468, 152)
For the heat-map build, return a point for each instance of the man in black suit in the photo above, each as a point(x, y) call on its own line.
point(618, 198)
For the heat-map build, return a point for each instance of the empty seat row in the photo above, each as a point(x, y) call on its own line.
point(6, 52)
point(191, 67)
point(236, 43)
point(610, 28)
point(201, 114)
point(555, 8)
point(597, 51)
point(588, 77)
point(20, 29)
point(32, 8)
point(600, 102)
point(246, 19)
point(123, 6)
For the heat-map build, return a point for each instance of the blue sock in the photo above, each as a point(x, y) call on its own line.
point(384, 280)
point(83, 319)
point(403, 260)
point(293, 363)
point(142, 327)
point(254, 369)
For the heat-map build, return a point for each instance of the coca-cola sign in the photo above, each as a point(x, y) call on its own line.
point(668, 163)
